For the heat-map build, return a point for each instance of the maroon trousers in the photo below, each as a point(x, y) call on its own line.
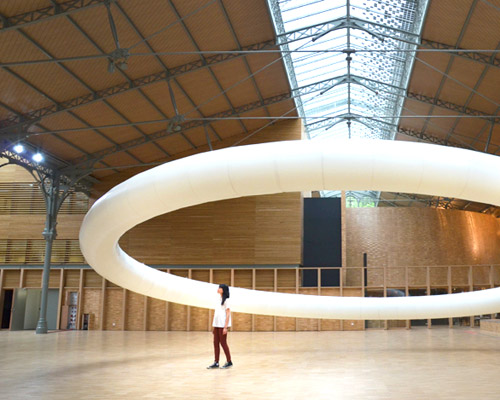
point(220, 339)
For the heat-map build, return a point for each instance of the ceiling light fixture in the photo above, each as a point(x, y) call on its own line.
point(19, 148)
point(38, 157)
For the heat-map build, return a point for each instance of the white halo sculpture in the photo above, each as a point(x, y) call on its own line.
point(289, 167)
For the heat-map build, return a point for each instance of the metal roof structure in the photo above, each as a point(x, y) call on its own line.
point(345, 44)
point(107, 84)
point(365, 69)
point(103, 85)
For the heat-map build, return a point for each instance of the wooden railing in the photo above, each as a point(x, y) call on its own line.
point(114, 308)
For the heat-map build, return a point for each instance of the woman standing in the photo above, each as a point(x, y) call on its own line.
point(222, 321)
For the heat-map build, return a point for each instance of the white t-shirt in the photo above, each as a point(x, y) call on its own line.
point(220, 314)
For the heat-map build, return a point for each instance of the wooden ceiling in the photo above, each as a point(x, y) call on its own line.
point(453, 98)
point(104, 110)
point(459, 90)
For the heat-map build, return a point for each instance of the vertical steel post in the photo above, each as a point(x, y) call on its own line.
point(51, 193)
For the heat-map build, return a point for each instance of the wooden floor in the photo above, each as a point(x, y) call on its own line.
point(402, 364)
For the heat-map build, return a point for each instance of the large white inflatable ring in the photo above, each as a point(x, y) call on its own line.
point(290, 166)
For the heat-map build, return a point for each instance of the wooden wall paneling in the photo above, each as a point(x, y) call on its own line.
point(21, 278)
point(80, 300)
point(152, 314)
point(167, 311)
point(33, 278)
point(407, 293)
point(319, 294)
point(223, 232)
point(496, 275)
point(421, 236)
point(188, 308)
point(386, 323)
point(113, 314)
point(156, 314)
point(264, 280)
point(178, 312)
point(428, 285)
point(72, 278)
point(103, 304)
point(342, 281)
point(234, 231)
point(12, 278)
point(14, 173)
point(286, 324)
point(450, 291)
point(375, 276)
point(110, 284)
point(275, 284)
point(492, 284)
point(363, 279)
point(297, 277)
point(222, 276)
point(124, 309)
point(439, 276)
point(63, 323)
point(353, 325)
point(232, 284)
point(145, 314)
point(286, 278)
point(278, 227)
point(459, 276)
point(330, 324)
point(395, 277)
point(254, 279)
point(92, 279)
point(134, 311)
point(210, 311)
point(92, 298)
point(481, 275)
point(60, 299)
point(307, 324)
point(264, 323)
point(54, 278)
point(471, 288)
point(242, 278)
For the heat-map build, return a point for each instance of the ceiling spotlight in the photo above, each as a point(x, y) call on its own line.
point(18, 148)
point(37, 157)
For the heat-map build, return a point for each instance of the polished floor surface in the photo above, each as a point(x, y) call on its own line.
point(401, 364)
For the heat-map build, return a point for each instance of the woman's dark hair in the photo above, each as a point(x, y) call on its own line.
point(225, 292)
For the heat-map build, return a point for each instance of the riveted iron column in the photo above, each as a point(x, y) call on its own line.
point(53, 201)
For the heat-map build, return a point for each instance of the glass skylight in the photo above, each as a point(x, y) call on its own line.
point(361, 62)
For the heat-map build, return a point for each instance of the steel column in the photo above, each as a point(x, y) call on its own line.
point(52, 202)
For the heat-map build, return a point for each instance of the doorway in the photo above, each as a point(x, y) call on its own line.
point(7, 296)
point(26, 309)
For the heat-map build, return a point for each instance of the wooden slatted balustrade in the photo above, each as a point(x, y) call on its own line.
point(114, 308)
point(27, 198)
point(31, 252)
